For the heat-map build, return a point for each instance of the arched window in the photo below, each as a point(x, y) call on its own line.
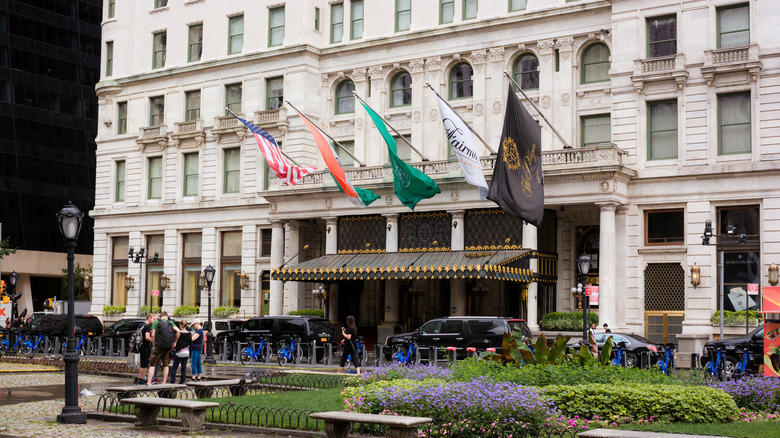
point(460, 81)
point(526, 72)
point(595, 63)
point(401, 89)
point(345, 101)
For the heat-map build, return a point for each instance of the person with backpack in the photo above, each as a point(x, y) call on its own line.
point(164, 336)
point(196, 349)
point(143, 346)
point(181, 352)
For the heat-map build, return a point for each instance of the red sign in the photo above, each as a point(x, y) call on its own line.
point(593, 292)
point(155, 293)
point(772, 300)
point(752, 288)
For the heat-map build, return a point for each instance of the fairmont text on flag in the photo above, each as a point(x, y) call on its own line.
point(518, 184)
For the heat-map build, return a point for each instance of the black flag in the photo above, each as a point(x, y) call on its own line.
point(518, 185)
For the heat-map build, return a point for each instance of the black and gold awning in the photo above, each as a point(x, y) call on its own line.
point(497, 265)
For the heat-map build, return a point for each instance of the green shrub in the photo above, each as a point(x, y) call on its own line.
point(688, 404)
point(565, 321)
point(735, 318)
point(225, 312)
point(307, 312)
point(186, 310)
point(114, 310)
point(145, 310)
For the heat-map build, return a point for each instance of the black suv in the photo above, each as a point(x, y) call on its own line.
point(754, 342)
point(122, 329)
point(462, 332)
point(282, 328)
point(57, 325)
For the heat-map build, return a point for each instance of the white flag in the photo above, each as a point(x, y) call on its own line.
point(462, 142)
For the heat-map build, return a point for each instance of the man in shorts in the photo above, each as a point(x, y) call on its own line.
point(164, 336)
point(145, 348)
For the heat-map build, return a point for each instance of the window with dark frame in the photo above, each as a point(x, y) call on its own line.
point(526, 72)
point(662, 36)
point(733, 26)
point(664, 227)
point(461, 84)
point(266, 242)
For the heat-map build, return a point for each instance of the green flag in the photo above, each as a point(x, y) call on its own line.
point(411, 185)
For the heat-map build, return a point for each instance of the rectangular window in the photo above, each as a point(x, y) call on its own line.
point(159, 44)
point(191, 260)
point(109, 58)
point(119, 248)
point(195, 43)
point(403, 15)
point(316, 19)
point(733, 26)
point(154, 270)
point(230, 290)
point(274, 93)
point(344, 157)
point(121, 118)
point(662, 36)
point(191, 165)
point(469, 9)
point(446, 11)
point(517, 5)
point(235, 34)
point(356, 17)
point(154, 189)
point(596, 130)
point(664, 227)
point(276, 26)
point(336, 22)
point(232, 170)
point(233, 98)
point(192, 102)
point(111, 8)
point(734, 123)
point(662, 130)
point(156, 110)
point(119, 183)
point(265, 244)
point(741, 262)
point(160, 3)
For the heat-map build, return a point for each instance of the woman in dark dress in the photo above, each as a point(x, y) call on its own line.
point(349, 332)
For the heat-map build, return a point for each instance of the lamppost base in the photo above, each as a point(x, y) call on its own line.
point(209, 360)
point(72, 415)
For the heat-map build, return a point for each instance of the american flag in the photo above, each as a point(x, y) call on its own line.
point(289, 173)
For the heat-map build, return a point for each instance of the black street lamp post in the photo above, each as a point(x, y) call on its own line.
point(583, 267)
point(70, 219)
point(141, 257)
point(14, 278)
point(209, 274)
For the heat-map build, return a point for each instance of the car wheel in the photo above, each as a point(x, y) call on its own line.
point(632, 360)
point(729, 366)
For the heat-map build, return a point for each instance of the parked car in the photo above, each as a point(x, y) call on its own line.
point(753, 342)
point(461, 332)
point(57, 325)
point(520, 323)
point(223, 328)
point(635, 346)
point(282, 328)
point(122, 329)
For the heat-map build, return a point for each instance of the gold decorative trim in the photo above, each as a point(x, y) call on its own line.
point(436, 249)
point(493, 247)
point(361, 251)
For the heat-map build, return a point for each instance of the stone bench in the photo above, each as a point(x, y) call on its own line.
point(337, 423)
point(192, 413)
point(167, 390)
point(205, 389)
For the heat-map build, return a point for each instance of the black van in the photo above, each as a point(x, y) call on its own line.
point(281, 328)
point(57, 325)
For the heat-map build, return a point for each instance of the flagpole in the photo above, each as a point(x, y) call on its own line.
point(557, 134)
point(424, 158)
point(280, 149)
point(461, 119)
point(327, 135)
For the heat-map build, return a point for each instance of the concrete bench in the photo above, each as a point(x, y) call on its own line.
point(337, 423)
point(165, 390)
point(192, 413)
point(205, 389)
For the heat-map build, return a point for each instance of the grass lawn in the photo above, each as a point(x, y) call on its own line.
point(759, 429)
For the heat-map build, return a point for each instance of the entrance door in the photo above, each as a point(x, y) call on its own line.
point(664, 301)
point(349, 300)
point(663, 327)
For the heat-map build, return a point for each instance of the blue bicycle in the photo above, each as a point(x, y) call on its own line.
point(289, 353)
point(4, 344)
point(360, 351)
point(29, 346)
point(408, 355)
point(261, 352)
point(666, 363)
point(714, 368)
point(619, 358)
point(83, 346)
point(744, 365)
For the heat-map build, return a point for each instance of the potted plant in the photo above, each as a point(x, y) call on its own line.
point(114, 310)
point(186, 311)
point(225, 312)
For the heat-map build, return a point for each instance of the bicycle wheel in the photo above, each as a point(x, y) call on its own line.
point(414, 358)
point(265, 353)
point(281, 355)
point(246, 356)
point(27, 347)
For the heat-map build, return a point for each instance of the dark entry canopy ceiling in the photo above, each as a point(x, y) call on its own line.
point(504, 265)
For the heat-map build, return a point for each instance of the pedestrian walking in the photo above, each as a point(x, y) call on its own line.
point(196, 350)
point(606, 328)
point(181, 353)
point(164, 336)
point(594, 347)
point(349, 332)
point(145, 349)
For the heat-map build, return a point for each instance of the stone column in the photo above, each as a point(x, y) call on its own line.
point(529, 242)
point(458, 227)
point(276, 298)
point(292, 289)
point(391, 244)
point(607, 263)
point(621, 257)
point(331, 235)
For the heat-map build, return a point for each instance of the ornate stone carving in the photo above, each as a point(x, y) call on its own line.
point(479, 109)
point(416, 116)
point(433, 63)
point(565, 99)
point(434, 115)
point(455, 195)
point(375, 72)
point(497, 107)
point(359, 75)
point(546, 101)
point(478, 59)
point(497, 57)
point(595, 101)
point(325, 80)
point(565, 44)
point(272, 207)
point(389, 200)
point(545, 47)
point(359, 123)
point(328, 203)
point(416, 65)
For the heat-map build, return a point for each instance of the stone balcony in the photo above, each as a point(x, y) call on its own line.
point(152, 135)
point(224, 125)
point(730, 60)
point(274, 118)
point(192, 129)
point(662, 68)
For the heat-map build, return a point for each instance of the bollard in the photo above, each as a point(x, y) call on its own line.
point(99, 347)
point(379, 354)
point(48, 345)
point(237, 351)
point(312, 356)
point(57, 346)
point(694, 361)
point(471, 351)
point(110, 347)
point(327, 359)
point(122, 350)
point(452, 352)
point(433, 355)
point(644, 360)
